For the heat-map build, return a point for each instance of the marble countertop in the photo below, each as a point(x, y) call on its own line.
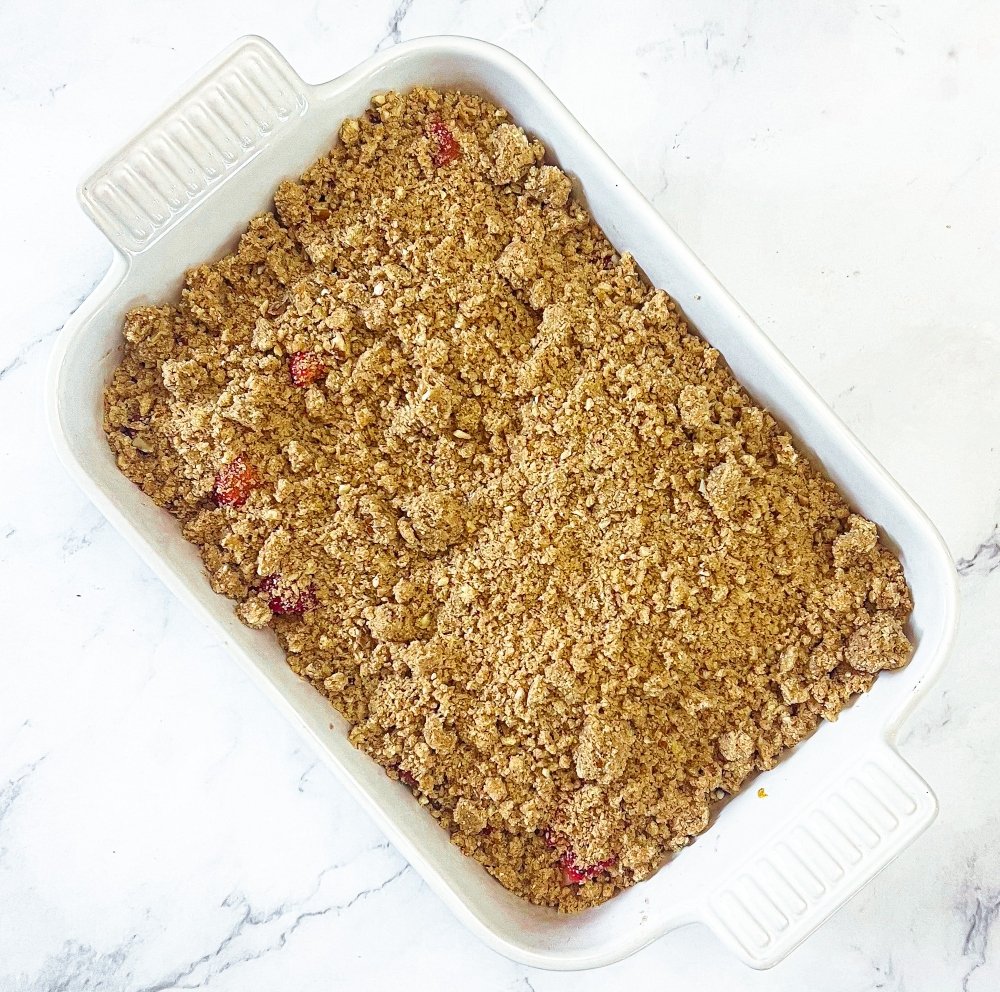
point(835, 164)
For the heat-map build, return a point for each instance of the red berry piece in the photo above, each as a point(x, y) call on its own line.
point(407, 778)
point(572, 874)
point(576, 874)
point(235, 482)
point(602, 261)
point(444, 147)
point(285, 602)
point(305, 368)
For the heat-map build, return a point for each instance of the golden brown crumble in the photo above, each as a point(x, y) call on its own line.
point(500, 503)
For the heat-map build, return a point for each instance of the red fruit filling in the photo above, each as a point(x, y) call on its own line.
point(444, 147)
point(575, 873)
point(305, 368)
point(406, 777)
point(234, 483)
point(286, 602)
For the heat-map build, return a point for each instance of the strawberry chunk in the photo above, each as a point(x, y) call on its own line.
point(235, 482)
point(285, 602)
point(305, 368)
point(575, 873)
point(444, 147)
point(407, 778)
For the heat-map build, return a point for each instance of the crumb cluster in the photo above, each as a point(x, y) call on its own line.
point(500, 503)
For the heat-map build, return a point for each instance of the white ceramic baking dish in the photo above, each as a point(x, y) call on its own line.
point(838, 808)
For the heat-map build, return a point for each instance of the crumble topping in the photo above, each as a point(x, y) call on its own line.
point(501, 505)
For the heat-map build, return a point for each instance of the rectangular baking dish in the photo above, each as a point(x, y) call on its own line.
point(838, 808)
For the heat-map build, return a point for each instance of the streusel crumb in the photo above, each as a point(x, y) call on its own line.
point(500, 503)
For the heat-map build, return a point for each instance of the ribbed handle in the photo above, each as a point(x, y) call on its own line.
point(234, 109)
point(782, 892)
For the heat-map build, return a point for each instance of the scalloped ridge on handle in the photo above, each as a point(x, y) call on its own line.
point(229, 115)
point(780, 894)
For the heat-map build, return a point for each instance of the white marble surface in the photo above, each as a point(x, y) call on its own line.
point(836, 164)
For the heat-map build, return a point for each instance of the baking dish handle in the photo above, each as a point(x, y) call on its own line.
point(775, 898)
point(225, 118)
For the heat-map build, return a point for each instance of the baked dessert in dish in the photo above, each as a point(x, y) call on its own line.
point(514, 517)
